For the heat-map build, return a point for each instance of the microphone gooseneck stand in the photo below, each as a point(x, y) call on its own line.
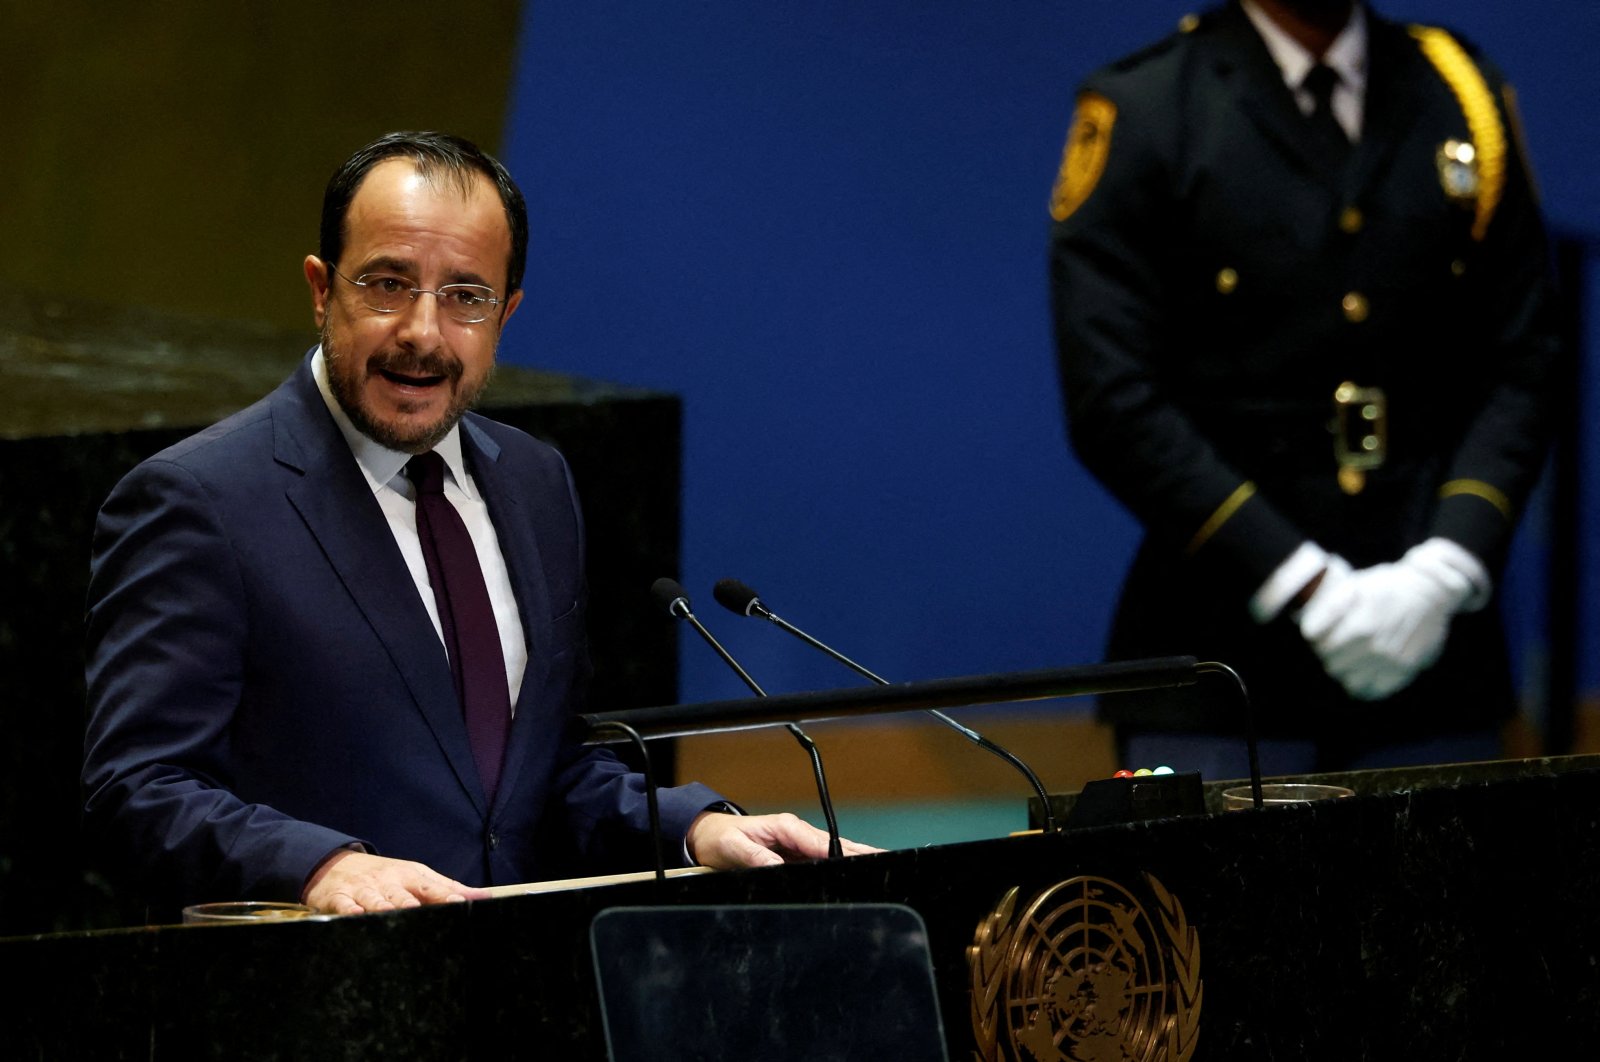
point(675, 600)
point(1212, 667)
point(739, 598)
point(652, 803)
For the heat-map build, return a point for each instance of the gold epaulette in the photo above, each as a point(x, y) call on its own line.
point(1484, 125)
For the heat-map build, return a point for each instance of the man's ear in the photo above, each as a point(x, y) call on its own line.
point(317, 279)
point(511, 306)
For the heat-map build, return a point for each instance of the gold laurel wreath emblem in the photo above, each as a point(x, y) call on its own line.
point(1028, 972)
point(989, 947)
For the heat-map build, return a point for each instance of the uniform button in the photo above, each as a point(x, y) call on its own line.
point(1227, 280)
point(1457, 268)
point(1369, 443)
point(494, 840)
point(1355, 307)
point(1351, 220)
point(1189, 23)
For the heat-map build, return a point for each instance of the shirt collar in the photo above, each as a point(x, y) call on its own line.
point(378, 463)
point(1346, 56)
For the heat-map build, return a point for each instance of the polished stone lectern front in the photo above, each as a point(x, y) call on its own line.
point(1439, 913)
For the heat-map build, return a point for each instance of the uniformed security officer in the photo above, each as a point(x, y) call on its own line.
point(1300, 290)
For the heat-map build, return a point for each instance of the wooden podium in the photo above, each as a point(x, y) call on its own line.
point(1442, 912)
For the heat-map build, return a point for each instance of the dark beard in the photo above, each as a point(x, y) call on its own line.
point(387, 435)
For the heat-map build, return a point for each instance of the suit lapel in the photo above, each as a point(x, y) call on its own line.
point(513, 525)
point(1392, 103)
point(1241, 60)
point(337, 505)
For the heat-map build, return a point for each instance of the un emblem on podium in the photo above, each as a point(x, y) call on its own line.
point(1087, 972)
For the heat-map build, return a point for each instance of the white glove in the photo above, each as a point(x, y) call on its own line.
point(1382, 626)
point(1335, 596)
point(1289, 580)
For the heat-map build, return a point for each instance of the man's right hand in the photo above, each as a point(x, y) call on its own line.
point(351, 882)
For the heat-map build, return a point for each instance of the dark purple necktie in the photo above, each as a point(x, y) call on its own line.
point(470, 635)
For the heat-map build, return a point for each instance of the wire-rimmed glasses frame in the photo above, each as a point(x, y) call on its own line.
point(390, 293)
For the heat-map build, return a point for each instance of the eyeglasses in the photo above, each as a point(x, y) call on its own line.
point(387, 293)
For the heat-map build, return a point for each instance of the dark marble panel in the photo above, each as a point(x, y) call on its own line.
point(90, 390)
point(1418, 922)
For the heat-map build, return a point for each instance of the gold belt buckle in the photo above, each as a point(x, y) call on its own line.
point(1360, 433)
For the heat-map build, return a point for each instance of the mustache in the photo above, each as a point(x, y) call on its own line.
point(410, 363)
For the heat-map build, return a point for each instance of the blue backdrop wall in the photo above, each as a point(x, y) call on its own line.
point(823, 224)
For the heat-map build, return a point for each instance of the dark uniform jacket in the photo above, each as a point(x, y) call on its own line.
point(1214, 286)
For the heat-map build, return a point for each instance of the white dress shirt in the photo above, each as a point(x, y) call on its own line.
point(1346, 56)
point(385, 471)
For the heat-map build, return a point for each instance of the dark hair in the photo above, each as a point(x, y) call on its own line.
point(432, 153)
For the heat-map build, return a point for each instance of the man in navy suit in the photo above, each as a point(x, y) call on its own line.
point(273, 709)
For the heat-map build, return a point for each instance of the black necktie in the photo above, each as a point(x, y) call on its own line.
point(470, 636)
point(1332, 144)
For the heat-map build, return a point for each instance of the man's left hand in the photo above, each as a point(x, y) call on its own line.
point(727, 841)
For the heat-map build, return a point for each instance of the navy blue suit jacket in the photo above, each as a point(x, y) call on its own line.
point(265, 684)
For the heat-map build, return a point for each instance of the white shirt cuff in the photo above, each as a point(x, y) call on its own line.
point(1290, 577)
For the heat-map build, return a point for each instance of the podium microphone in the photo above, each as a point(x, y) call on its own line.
point(737, 597)
point(675, 600)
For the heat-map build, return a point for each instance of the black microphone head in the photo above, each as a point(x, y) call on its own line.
point(670, 595)
point(735, 596)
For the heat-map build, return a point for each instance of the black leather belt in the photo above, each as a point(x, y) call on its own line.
point(1348, 437)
